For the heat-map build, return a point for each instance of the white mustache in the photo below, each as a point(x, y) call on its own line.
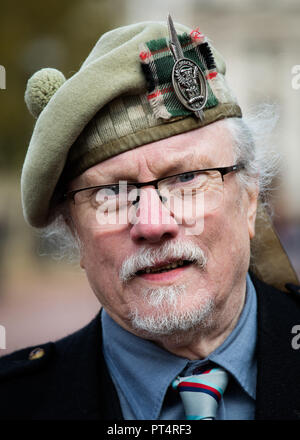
point(147, 257)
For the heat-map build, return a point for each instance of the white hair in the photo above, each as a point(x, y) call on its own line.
point(58, 240)
point(253, 145)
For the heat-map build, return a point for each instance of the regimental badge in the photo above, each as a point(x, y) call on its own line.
point(190, 85)
point(188, 79)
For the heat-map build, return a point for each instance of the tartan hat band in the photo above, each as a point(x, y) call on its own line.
point(114, 132)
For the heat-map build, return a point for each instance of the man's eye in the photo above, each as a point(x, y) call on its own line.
point(188, 177)
point(113, 190)
point(106, 194)
point(194, 179)
point(110, 191)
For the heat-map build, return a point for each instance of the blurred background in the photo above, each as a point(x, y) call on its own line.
point(41, 298)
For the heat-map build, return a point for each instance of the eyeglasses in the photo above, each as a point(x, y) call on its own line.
point(186, 195)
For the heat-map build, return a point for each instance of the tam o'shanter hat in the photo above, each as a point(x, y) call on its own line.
point(140, 83)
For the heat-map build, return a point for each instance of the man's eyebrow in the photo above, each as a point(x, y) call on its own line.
point(201, 161)
point(182, 162)
point(189, 162)
point(177, 163)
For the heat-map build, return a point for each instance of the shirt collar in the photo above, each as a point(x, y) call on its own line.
point(143, 371)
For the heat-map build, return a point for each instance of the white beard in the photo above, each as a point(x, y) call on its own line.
point(168, 318)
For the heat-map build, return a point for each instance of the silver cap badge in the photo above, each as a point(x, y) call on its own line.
point(188, 79)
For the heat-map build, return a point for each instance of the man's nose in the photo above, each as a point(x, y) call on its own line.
point(150, 219)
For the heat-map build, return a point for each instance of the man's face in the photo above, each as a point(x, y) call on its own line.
point(207, 294)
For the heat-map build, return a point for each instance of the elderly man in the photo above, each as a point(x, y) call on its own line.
point(143, 157)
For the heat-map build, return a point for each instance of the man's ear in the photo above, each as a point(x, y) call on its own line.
point(252, 209)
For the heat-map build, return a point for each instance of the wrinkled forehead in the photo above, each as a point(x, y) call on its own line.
point(207, 147)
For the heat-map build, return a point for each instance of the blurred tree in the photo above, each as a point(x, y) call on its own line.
point(34, 35)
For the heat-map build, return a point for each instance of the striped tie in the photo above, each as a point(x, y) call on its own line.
point(202, 393)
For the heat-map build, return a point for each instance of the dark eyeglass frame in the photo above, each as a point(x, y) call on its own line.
point(222, 170)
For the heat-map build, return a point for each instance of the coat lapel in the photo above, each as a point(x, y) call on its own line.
point(278, 378)
point(91, 393)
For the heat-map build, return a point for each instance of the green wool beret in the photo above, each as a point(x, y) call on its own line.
point(105, 109)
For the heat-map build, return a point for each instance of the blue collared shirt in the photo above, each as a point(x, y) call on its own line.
point(142, 371)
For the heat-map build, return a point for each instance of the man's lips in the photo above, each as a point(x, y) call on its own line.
point(166, 264)
point(164, 270)
point(168, 276)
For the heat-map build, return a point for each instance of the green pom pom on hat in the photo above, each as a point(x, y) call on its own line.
point(41, 87)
